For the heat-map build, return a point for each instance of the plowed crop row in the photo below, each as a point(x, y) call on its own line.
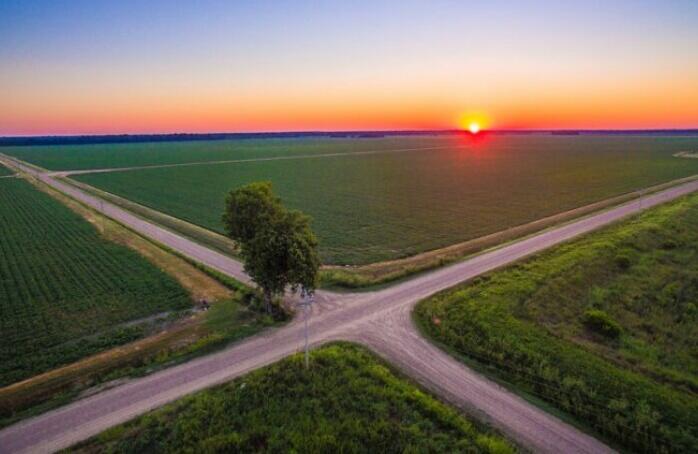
point(373, 207)
point(63, 288)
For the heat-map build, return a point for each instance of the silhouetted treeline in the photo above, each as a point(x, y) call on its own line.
point(134, 138)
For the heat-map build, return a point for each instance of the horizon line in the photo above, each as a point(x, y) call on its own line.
point(347, 131)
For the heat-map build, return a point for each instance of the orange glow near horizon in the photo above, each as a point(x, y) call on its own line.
point(37, 105)
point(149, 67)
point(69, 112)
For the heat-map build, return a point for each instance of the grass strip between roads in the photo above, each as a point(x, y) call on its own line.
point(602, 328)
point(347, 401)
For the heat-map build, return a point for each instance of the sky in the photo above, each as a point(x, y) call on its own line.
point(102, 67)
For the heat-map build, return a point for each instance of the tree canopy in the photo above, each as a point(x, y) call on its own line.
point(248, 208)
point(277, 244)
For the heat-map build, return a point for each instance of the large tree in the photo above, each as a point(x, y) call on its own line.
point(248, 208)
point(277, 245)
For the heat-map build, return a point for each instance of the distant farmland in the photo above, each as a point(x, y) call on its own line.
point(374, 207)
point(96, 156)
point(370, 207)
point(63, 289)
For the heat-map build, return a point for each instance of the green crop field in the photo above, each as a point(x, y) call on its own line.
point(374, 207)
point(604, 328)
point(4, 171)
point(348, 401)
point(63, 289)
point(76, 157)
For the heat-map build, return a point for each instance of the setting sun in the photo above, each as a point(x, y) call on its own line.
point(473, 122)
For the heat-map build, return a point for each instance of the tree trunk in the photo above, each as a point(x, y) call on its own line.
point(267, 301)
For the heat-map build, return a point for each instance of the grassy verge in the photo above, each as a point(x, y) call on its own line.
point(602, 328)
point(347, 401)
point(199, 234)
point(226, 322)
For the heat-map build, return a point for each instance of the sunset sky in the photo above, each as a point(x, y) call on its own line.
point(94, 67)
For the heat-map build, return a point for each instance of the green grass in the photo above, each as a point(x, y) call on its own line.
point(201, 235)
point(369, 208)
point(4, 171)
point(64, 290)
point(226, 322)
point(348, 401)
point(74, 157)
point(603, 328)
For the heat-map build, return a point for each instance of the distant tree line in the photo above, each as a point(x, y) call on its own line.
point(182, 137)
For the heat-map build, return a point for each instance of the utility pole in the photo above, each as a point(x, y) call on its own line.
point(307, 300)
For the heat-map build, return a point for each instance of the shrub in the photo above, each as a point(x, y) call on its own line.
point(602, 323)
point(623, 261)
point(348, 401)
point(669, 244)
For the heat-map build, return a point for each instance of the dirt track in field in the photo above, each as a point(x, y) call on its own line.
point(380, 319)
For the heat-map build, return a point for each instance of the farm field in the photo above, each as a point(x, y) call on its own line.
point(65, 292)
point(374, 207)
point(603, 328)
point(4, 171)
point(348, 401)
point(235, 313)
point(96, 156)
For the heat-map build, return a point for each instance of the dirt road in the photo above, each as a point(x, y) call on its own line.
point(381, 320)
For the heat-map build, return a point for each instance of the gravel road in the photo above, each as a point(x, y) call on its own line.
point(380, 319)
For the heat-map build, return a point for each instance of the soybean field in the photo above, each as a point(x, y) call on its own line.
point(99, 156)
point(370, 207)
point(4, 171)
point(64, 291)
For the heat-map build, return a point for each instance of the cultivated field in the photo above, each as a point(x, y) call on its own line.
point(77, 157)
point(64, 290)
point(374, 207)
point(4, 171)
point(348, 401)
point(603, 328)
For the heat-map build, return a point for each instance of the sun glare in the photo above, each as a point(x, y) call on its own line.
point(473, 122)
